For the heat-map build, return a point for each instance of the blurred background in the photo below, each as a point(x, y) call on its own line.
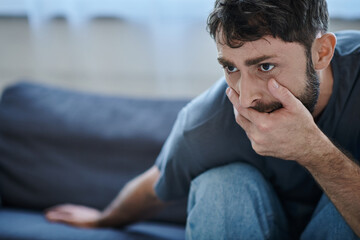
point(148, 48)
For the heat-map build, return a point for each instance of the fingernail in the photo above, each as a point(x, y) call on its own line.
point(228, 91)
point(275, 84)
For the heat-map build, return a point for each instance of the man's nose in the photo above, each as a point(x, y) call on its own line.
point(249, 90)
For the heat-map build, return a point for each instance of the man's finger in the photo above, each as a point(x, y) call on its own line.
point(58, 216)
point(233, 97)
point(281, 93)
point(248, 113)
point(242, 121)
point(253, 115)
point(60, 208)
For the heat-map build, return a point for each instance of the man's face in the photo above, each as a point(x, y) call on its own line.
point(249, 68)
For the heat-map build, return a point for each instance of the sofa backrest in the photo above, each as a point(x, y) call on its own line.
point(61, 146)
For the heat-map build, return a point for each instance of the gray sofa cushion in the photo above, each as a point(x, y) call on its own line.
point(59, 146)
point(31, 225)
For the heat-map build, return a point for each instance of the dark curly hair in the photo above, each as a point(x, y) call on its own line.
point(249, 20)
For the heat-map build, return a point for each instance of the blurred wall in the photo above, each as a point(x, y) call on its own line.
point(147, 48)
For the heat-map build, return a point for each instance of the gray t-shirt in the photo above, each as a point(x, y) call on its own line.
point(206, 135)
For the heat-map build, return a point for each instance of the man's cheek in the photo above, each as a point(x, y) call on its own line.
point(294, 83)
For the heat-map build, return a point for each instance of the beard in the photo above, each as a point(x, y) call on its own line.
point(309, 97)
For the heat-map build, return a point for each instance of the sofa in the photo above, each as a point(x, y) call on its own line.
point(63, 146)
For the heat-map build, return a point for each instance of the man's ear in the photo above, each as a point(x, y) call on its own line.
point(323, 50)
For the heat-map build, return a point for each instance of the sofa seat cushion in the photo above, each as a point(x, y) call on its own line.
point(16, 224)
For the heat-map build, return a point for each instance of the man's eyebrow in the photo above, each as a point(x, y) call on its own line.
point(225, 62)
point(257, 60)
point(248, 62)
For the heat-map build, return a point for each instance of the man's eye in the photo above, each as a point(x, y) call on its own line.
point(266, 67)
point(231, 69)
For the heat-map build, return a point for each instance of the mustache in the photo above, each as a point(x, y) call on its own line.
point(267, 108)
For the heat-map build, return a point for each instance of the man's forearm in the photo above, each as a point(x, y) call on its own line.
point(136, 201)
point(339, 177)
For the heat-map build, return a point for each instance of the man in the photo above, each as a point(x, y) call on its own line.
point(297, 120)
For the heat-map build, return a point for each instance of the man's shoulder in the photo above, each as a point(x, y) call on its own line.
point(346, 61)
point(207, 106)
point(348, 42)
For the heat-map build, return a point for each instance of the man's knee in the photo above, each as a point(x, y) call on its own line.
point(232, 200)
point(235, 175)
point(233, 186)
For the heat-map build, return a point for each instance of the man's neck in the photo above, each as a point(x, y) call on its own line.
point(326, 86)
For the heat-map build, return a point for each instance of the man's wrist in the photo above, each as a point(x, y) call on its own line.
point(104, 219)
point(320, 148)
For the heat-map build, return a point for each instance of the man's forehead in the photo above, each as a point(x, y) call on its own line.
point(266, 46)
point(266, 43)
point(222, 39)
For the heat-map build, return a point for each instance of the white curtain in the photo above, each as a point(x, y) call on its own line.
point(80, 11)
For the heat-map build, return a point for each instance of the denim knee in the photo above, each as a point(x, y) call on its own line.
point(232, 202)
point(327, 223)
point(236, 175)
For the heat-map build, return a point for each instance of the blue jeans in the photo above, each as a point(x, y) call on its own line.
point(236, 202)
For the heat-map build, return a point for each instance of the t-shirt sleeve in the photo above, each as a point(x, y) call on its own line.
point(170, 185)
point(183, 155)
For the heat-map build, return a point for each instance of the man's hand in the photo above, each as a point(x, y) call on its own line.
point(136, 201)
point(291, 133)
point(288, 133)
point(76, 215)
